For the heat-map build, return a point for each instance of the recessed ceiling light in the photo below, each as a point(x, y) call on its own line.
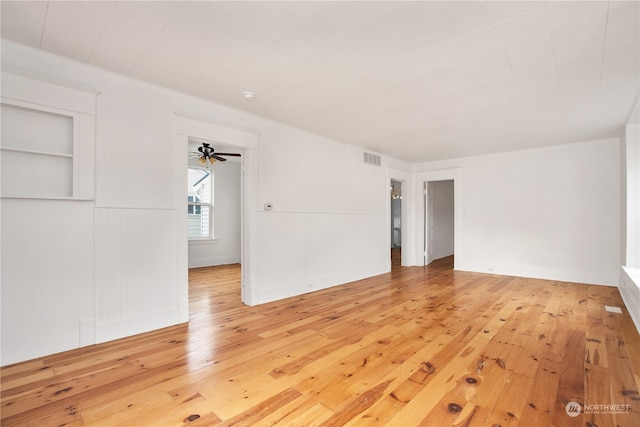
point(248, 96)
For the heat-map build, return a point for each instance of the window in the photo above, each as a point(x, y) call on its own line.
point(200, 204)
point(193, 208)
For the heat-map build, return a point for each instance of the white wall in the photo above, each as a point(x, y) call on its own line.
point(225, 247)
point(443, 219)
point(550, 213)
point(630, 216)
point(329, 224)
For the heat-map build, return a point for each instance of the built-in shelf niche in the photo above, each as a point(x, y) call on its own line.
point(37, 153)
point(47, 142)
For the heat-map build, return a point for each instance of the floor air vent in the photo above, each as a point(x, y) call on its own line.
point(372, 159)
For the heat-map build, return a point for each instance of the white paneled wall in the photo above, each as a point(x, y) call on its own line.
point(47, 205)
point(46, 276)
point(630, 291)
point(136, 286)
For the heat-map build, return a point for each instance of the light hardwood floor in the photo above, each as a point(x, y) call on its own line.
point(417, 346)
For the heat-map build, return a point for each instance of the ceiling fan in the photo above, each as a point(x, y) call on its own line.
point(206, 152)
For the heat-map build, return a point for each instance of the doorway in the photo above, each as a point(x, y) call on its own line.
point(439, 220)
point(246, 141)
point(396, 222)
point(214, 208)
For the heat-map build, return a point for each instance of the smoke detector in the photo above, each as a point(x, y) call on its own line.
point(248, 96)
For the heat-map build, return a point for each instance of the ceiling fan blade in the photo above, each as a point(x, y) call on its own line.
point(215, 156)
point(229, 154)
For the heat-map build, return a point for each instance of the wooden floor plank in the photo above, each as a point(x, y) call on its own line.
point(416, 346)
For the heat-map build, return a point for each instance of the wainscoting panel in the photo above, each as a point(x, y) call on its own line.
point(630, 291)
point(136, 271)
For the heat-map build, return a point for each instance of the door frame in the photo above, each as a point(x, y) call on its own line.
point(422, 237)
point(407, 208)
point(430, 221)
point(247, 141)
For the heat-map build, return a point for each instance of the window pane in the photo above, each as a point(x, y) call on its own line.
point(200, 191)
point(199, 218)
point(200, 185)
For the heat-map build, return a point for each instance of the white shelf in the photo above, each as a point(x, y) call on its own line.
point(72, 199)
point(40, 153)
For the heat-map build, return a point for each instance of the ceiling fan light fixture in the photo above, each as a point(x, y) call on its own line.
point(207, 152)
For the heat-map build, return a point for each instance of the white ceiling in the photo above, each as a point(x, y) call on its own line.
point(417, 80)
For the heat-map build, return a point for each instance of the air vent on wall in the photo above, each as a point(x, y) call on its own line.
point(372, 159)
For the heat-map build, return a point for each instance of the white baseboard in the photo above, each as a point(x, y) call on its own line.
point(121, 328)
point(318, 283)
point(211, 261)
point(442, 254)
point(587, 277)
